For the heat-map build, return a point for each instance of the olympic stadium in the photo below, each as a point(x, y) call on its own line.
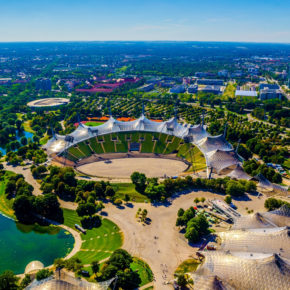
point(144, 138)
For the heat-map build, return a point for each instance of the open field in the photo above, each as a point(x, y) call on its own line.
point(123, 168)
point(97, 243)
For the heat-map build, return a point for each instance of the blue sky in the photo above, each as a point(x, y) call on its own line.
point(204, 20)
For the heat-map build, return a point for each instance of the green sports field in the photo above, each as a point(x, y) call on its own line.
point(157, 143)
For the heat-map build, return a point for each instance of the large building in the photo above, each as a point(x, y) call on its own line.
point(220, 156)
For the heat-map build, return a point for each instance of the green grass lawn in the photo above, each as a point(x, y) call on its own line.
point(98, 243)
point(5, 203)
point(97, 147)
point(93, 123)
point(143, 270)
point(187, 266)
point(84, 148)
point(27, 127)
point(128, 188)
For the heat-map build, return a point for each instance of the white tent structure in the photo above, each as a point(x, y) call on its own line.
point(219, 154)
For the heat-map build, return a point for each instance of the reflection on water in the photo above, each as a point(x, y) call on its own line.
point(21, 244)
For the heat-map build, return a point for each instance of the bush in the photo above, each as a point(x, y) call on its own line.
point(42, 274)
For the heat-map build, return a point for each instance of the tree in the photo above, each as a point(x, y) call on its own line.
point(23, 140)
point(139, 180)
point(8, 281)
point(86, 209)
point(202, 199)
point(109, 191)
point(43, 274)
point(192, 234)
point(228, 199)
point(127, 198)
point(196, 200)
point(273, 203)
point(95, 266)
point(235, 188)
point(180, 212)
point(25, 281)
point(23, 208)
point(182, 281)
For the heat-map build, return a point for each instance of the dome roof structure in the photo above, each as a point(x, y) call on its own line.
point(33, 266)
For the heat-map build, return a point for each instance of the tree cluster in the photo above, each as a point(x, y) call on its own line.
point(196, 226)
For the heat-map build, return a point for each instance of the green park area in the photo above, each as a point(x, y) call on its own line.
point(98, 243)
point(5, 203)
point(123, 189)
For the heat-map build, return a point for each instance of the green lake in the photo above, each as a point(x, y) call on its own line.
point(21, 244)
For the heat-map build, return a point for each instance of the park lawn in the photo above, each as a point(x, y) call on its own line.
point(27, 127)
point(44, 139)
point(98, 243)
point(93, 123)
point(143, 270)
point(187, 266)
point(128, 188)
point(5, 203)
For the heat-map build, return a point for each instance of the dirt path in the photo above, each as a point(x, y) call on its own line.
point(160, 244)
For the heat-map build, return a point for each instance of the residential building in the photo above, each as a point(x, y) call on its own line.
point(270, 94)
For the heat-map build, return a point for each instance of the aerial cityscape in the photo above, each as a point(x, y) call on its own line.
point(144, 151)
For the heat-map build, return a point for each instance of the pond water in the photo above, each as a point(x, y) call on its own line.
point(21, 244)
point(28, 135)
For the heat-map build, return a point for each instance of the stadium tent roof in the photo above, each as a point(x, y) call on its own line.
point(280, 216)
point(212, 143)
point(219, 159)
point(253, 221)
point(67, 282)
point(266, 241)
point(246, 271)
point(266, 185)
point(239, 173)
point(218, 152)
point(203, 282)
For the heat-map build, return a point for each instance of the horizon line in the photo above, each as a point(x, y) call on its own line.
point(204, 41)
